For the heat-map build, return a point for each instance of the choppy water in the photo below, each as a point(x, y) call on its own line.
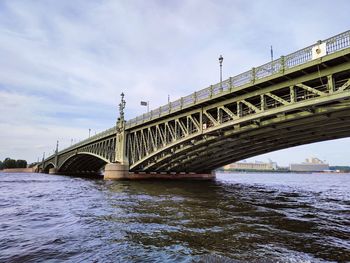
point(237, 218)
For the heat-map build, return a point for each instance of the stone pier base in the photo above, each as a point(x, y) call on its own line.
point(53, 171)
point(116, 171)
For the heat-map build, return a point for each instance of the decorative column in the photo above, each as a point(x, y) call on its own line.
point(120, 149)
point(42, 164)
point(55, 169)
point(119, 169)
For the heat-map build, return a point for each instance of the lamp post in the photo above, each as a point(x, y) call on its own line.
point(89, 132)
point(221, 59)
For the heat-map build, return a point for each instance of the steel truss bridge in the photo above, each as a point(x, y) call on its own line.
point(300, 98)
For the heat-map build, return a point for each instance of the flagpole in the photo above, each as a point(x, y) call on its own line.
point(271, 50)
point(145, 103)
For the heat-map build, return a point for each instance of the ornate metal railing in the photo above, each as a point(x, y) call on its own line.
point(99, 136)
point(297, 58)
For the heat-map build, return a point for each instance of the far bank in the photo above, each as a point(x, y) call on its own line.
point(18, 170)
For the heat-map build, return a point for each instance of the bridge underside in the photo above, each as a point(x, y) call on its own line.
point(226, 146)
point(48, 167)
point(82, 164)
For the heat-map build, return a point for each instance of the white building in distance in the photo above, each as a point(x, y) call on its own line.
point(251, 166)
point(310, 165)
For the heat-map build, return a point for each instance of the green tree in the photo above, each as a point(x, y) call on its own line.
point(1, 165)
point(9, 163)
point(21, 164)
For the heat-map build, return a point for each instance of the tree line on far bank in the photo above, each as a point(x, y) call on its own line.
point(9, 163)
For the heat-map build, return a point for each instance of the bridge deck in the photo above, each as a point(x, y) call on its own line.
point(292, 63)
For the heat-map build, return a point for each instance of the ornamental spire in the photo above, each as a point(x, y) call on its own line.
point(57, 147)
point(121, 107)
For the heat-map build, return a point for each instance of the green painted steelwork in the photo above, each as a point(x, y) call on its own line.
point(294, 100)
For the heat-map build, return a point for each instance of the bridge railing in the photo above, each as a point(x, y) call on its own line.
point(338, 42)
point(297, 58)
point(93, 138)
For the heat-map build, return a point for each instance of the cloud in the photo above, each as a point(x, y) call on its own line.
point(64, 63)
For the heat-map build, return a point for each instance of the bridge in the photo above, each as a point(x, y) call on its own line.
point(300, 98)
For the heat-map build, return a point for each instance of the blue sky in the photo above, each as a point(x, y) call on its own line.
point(63, 64)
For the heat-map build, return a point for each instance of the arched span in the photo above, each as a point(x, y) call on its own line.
point(48, 167)
point(263, 117)
point(212, 150)
point(83, 163)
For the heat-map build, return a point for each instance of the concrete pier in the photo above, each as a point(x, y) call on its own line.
point(53, 171)
point(116, 171)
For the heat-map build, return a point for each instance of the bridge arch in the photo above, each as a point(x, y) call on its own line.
point(83, 163)
point(209, 150)
point(229, 148)
point(47, 167)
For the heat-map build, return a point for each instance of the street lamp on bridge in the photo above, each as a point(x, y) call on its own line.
point(221, 59)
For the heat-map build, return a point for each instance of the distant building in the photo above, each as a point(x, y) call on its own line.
point(251, 166)
point(310, 165)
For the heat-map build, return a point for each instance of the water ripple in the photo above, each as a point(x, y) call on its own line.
point(238, 218)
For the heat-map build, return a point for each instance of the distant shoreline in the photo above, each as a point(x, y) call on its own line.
point(32, 170)
point(281, 171)
point(18, 170)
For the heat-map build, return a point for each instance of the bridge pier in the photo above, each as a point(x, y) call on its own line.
point(116, 171)
point(53, 171)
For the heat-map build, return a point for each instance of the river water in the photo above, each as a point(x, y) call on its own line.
point(237, 218)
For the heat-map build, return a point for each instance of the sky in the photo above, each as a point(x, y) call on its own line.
point(64, 64)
